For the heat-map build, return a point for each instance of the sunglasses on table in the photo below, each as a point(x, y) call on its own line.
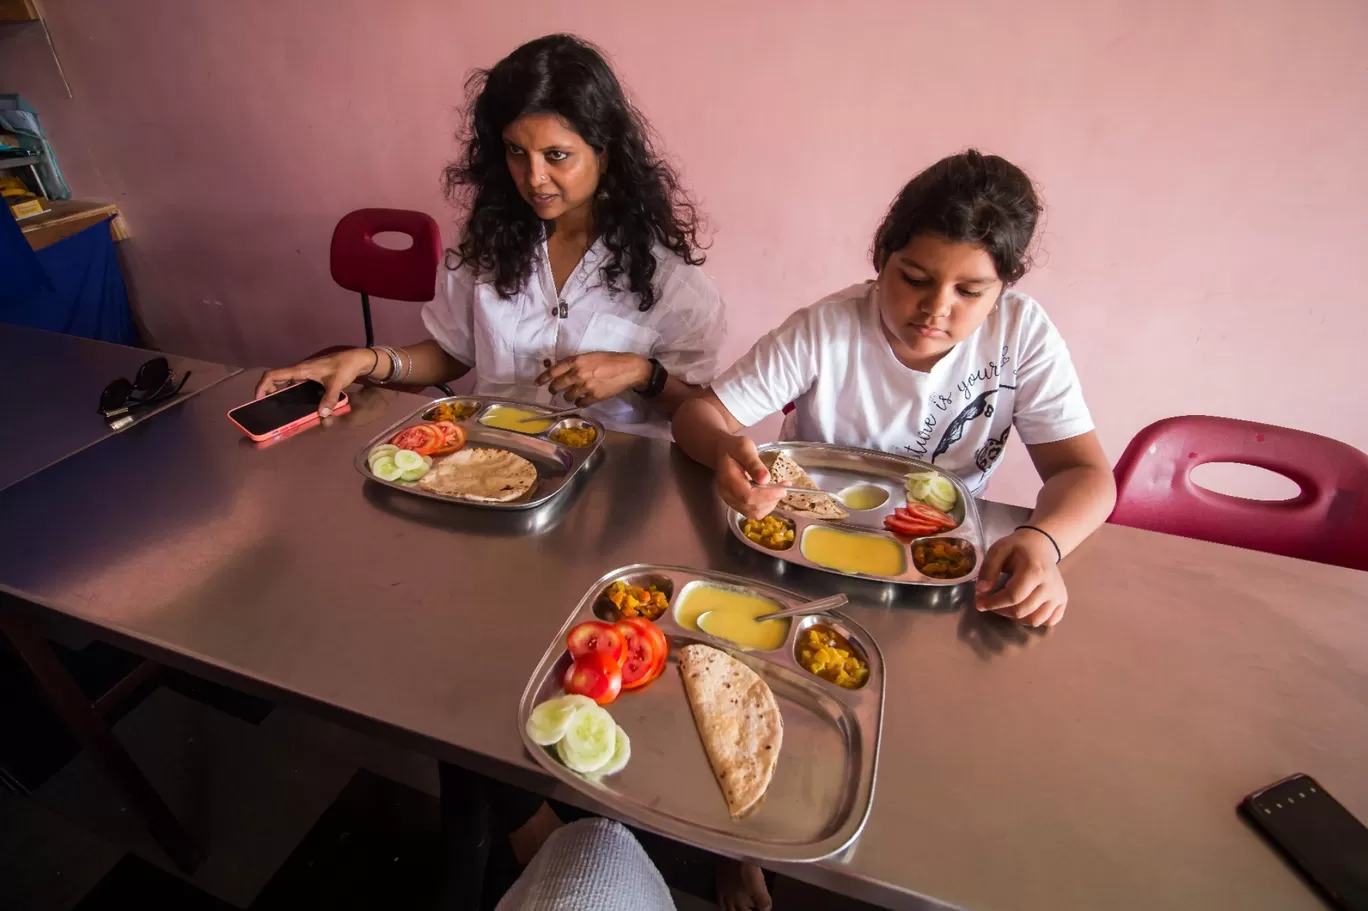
point(154, 382)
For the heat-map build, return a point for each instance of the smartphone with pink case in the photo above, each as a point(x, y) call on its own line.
point(285, 411)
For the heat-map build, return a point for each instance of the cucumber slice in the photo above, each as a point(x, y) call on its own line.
point(408, 460)
point(942, 491)
point(414, 474)
point(590, 740)
point(384, 449)
point(548, 721)
point(385, 469)
point(622, 751)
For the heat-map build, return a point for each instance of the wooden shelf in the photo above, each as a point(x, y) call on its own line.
point(68, 216)
point(18, 11)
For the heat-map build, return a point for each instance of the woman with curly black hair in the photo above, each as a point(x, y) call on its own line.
point(577, 273)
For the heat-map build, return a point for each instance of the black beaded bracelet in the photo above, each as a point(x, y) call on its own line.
point(1059, 555)
point(376, 355)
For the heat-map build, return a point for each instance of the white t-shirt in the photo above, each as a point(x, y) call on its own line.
point(833, 362)
point(510, 340)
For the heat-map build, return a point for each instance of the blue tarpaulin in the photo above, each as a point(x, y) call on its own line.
point(77, 287)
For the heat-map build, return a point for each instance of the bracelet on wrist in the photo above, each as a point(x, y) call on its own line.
point(1059, 555)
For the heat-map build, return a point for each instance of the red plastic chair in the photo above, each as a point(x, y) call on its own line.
point(359, 264)
point(1326, 522)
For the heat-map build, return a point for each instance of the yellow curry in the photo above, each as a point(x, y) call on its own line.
point(731, 616)
point(507, 418)
point(852, 552)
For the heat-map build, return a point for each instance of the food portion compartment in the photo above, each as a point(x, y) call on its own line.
point(574, 432)
point(854, 552)
point(516, 418)
point(773, 532)
point(863, 497)
point(728, 612)
point(944, 558)
point(640, 594)
point(457, 410)
point(828, 648)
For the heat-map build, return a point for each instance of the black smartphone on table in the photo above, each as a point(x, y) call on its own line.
point(1317, 834)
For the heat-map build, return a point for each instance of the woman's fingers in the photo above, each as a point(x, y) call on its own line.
point(272, 380)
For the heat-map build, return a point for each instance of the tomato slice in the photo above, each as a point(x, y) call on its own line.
point(638, 667)
point(412, 437)
point(921, 512)
point(596, 636)
point(648, 630)
point(596, 675)
point(909, 527)
point(423, 439)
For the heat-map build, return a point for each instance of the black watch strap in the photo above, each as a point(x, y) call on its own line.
point(656, 385)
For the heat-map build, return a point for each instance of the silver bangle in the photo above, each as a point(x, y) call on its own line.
point(394, 365)
point(408, 367)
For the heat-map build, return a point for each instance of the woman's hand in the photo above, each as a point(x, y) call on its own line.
point(335, 372)
point(586, 379)
point(738, 465)
point(1034, 592)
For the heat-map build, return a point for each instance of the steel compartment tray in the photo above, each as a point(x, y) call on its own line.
point(834, 468)
point(823, 785)
point(556, 464)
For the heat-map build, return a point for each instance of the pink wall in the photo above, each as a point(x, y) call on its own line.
point(1205, 164)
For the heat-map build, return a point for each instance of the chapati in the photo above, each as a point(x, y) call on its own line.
point(783, 470)
point(738, 721)
point(481, 475)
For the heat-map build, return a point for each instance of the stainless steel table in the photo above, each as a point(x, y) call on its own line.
point(52, 385)
point(1094, 766)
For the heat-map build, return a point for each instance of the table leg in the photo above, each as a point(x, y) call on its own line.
point(88, 725)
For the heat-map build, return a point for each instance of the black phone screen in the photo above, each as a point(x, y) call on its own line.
point(1317, 834)
point(279, 409)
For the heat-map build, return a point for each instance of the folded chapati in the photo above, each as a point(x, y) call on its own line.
point(783, 470)
point(481, 475)
point(738, 721)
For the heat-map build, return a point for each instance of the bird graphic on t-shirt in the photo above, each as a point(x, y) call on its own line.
point(955, 429)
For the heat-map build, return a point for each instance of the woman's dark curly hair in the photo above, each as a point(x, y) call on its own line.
point(639, 203)
point(969, 198)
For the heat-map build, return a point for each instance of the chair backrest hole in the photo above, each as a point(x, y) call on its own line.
point(393, 240)
point(1248, 481)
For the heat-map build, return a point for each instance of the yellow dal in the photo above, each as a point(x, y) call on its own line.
point(849, 552)
point(733, 617)
point(864, 497)
point(512, 419)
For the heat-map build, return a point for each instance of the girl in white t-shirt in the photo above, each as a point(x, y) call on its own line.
point(937, 359)
point(577, 273)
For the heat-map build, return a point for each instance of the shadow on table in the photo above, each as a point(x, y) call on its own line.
point(475, 519)
point(989, 635)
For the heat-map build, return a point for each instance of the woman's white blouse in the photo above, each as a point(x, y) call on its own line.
point(510, 341)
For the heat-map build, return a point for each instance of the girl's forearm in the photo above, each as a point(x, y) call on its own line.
point(1073, 503)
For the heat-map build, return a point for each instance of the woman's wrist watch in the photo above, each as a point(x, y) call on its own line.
point(656, 384)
